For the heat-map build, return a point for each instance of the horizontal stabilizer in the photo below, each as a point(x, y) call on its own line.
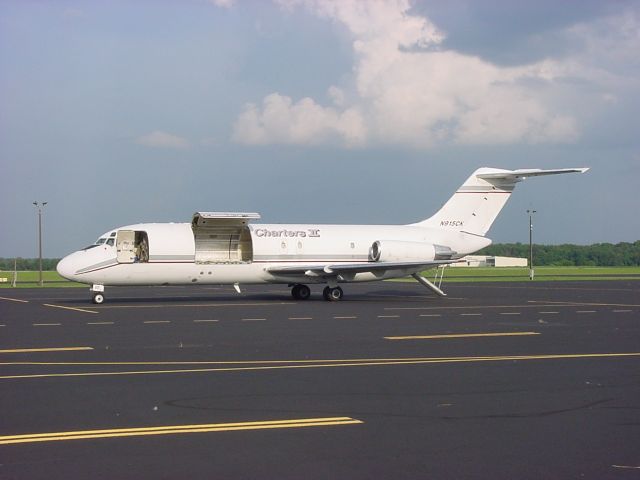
point(523, 173)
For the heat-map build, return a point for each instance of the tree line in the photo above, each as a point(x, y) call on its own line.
point(23, 264)
point(622, 254)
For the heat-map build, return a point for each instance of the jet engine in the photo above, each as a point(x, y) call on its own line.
point(400, 251)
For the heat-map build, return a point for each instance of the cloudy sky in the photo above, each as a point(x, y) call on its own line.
point(315, 111)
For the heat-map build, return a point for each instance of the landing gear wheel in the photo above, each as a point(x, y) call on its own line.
point(98, 298)
point(332, 294)
point(300, 292)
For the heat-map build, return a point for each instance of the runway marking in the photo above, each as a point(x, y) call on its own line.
point(253, 319)
point(462, 335)
point(175, 429)
point(14, 299)
point(70, 308)
point(299, 364)
point(622, 311)
point(430, 315)
point(510, 313)
point(388, 316)
point(300, 318)
point(548, 313)
point(344, 318)
point(625, 466)
point(99, 323)
point(585, 311)
point(470, 314)
point(157, 321)
point(206, 321)
point(198, 305)
point(46, 324)
point(584, 304)
point(57, 349)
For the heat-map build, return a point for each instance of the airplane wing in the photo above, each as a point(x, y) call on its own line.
point(340, 268)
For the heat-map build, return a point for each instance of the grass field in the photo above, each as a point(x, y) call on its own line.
point(511, 274)
point(451, 274)
point(29, 279)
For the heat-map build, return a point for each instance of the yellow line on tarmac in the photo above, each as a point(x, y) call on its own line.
point(462, 335)
point(343, 363)
point(70, 308)
point(174, 429)
point(30, 350)
point(14, 299)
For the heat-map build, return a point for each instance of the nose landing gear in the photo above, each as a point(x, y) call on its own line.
point(97, 292)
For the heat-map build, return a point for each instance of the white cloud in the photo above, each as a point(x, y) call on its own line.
point(279, 120)
point(159, 139)
point(407, 89)
point(222, 3)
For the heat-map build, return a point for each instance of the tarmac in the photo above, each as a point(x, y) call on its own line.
point(497, 380)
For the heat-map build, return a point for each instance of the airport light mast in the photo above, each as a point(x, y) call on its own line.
point(40, 206)
point(531, 272)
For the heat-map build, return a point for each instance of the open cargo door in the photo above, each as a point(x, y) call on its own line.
point(223, 237)
point(125, 246)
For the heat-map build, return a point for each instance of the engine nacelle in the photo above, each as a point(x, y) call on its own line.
point(399, 251)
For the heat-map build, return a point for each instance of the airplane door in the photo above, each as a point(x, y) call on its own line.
point(125, 246)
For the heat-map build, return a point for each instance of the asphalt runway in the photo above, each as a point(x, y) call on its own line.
point(498, 380)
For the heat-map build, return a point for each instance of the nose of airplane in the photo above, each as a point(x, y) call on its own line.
point(66, 267)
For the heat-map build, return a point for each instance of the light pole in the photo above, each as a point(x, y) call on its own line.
point(40, 206)
point(531, 212)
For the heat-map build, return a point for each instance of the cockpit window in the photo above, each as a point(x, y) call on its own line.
point(100, 241)
point(113, 234)
point(110, 241)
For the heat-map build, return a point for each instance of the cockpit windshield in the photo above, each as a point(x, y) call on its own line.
point(100, 241)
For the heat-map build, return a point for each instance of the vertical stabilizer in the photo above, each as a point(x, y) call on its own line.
point(476, 204)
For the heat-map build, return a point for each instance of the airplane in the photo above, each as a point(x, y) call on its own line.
point(227, 248)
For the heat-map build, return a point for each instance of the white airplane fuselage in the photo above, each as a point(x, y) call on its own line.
point(172, 254)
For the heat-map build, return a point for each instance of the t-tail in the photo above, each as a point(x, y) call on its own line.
point(476, 204)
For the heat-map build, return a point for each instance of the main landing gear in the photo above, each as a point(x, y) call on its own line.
point(332, 294)
point(302, 292)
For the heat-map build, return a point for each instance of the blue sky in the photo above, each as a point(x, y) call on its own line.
point(314, 111)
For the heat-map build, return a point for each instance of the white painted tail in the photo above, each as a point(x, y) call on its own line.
point(476, 204)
